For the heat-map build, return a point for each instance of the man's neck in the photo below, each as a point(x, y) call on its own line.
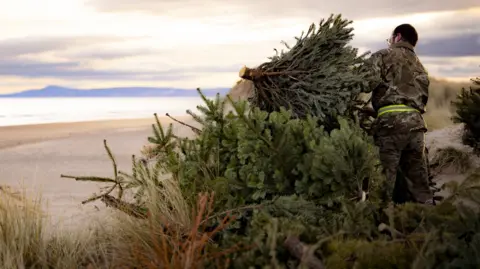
point(403, 44)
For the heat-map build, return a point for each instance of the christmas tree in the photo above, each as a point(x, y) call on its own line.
point(321, 75)
point(467, 108)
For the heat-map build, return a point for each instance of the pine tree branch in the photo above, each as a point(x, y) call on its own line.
point(128, 208)
point(194, 129)
point(117, 180)
point(249, 124)
point(88, 178)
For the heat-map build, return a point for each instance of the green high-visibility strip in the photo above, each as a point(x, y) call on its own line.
point(395, 108)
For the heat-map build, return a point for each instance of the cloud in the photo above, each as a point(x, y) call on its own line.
point(453, 67)
point(111, 54)
point(445, 34)
point(428, 25)
point(282, 8)
point(75, 71)
point(40, 44)
point(460, 45)
point(452, 46)
point(460, 71)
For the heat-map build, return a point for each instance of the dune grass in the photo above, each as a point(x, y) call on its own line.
point(174, 235)
point(439, 109)
point(166, 242)
point(24, 239)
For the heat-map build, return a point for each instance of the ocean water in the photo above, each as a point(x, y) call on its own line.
point(24, 111)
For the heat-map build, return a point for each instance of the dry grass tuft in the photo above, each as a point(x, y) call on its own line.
point(439, 109)
point(452, 158)
point(21, 230)
point(174, 236)
point(24, 242)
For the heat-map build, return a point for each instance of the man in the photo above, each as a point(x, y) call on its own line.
point(399, 97)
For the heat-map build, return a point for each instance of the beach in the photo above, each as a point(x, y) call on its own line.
point(34, 156)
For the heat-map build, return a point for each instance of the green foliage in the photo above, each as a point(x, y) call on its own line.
point(467, 109)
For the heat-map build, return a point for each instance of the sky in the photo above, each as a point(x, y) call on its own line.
point(189, 44)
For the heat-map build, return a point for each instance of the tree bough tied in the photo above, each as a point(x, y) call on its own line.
point(321, 75)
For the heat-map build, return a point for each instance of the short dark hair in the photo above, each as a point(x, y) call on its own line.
point(408, 33)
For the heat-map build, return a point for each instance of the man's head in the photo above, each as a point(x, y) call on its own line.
point(404, 32)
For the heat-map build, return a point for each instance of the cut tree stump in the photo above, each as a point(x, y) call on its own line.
point(300, 251)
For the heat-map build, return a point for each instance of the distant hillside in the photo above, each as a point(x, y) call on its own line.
point(57, 91)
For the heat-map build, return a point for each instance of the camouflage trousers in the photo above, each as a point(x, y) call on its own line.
point(403, 154)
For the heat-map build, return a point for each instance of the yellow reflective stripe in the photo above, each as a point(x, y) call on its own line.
point(395, 108)
point(390, 106)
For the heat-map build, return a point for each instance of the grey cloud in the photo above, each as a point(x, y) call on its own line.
point(210, 69)
point(282, 8)
point(458, 71)
point(461, 45)
point(104, 54)
point(453, 46)
point(212, 54)
point(453, 67)
point(451, 24)
point(10, 48)
point(75, 71)
point(443, 67)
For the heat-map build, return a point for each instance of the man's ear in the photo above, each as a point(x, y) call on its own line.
point(398, 37)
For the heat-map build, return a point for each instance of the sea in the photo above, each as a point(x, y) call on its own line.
point(25, 111)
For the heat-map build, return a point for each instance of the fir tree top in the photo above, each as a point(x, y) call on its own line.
point(320, 75)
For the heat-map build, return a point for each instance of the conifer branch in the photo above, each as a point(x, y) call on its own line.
point(116, 180)
point(128, 208)
point(194, 129)
point(248, 123)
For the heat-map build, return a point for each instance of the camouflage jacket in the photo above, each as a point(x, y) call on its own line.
point(399, 79)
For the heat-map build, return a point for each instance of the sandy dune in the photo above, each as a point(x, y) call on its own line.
point(449, 137)
point(36, 162)
point(17, 135)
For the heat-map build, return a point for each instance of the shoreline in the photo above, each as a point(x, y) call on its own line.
point(18, 135)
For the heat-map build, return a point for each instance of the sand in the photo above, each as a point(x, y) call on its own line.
point(34, 157)
point(11, 136)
